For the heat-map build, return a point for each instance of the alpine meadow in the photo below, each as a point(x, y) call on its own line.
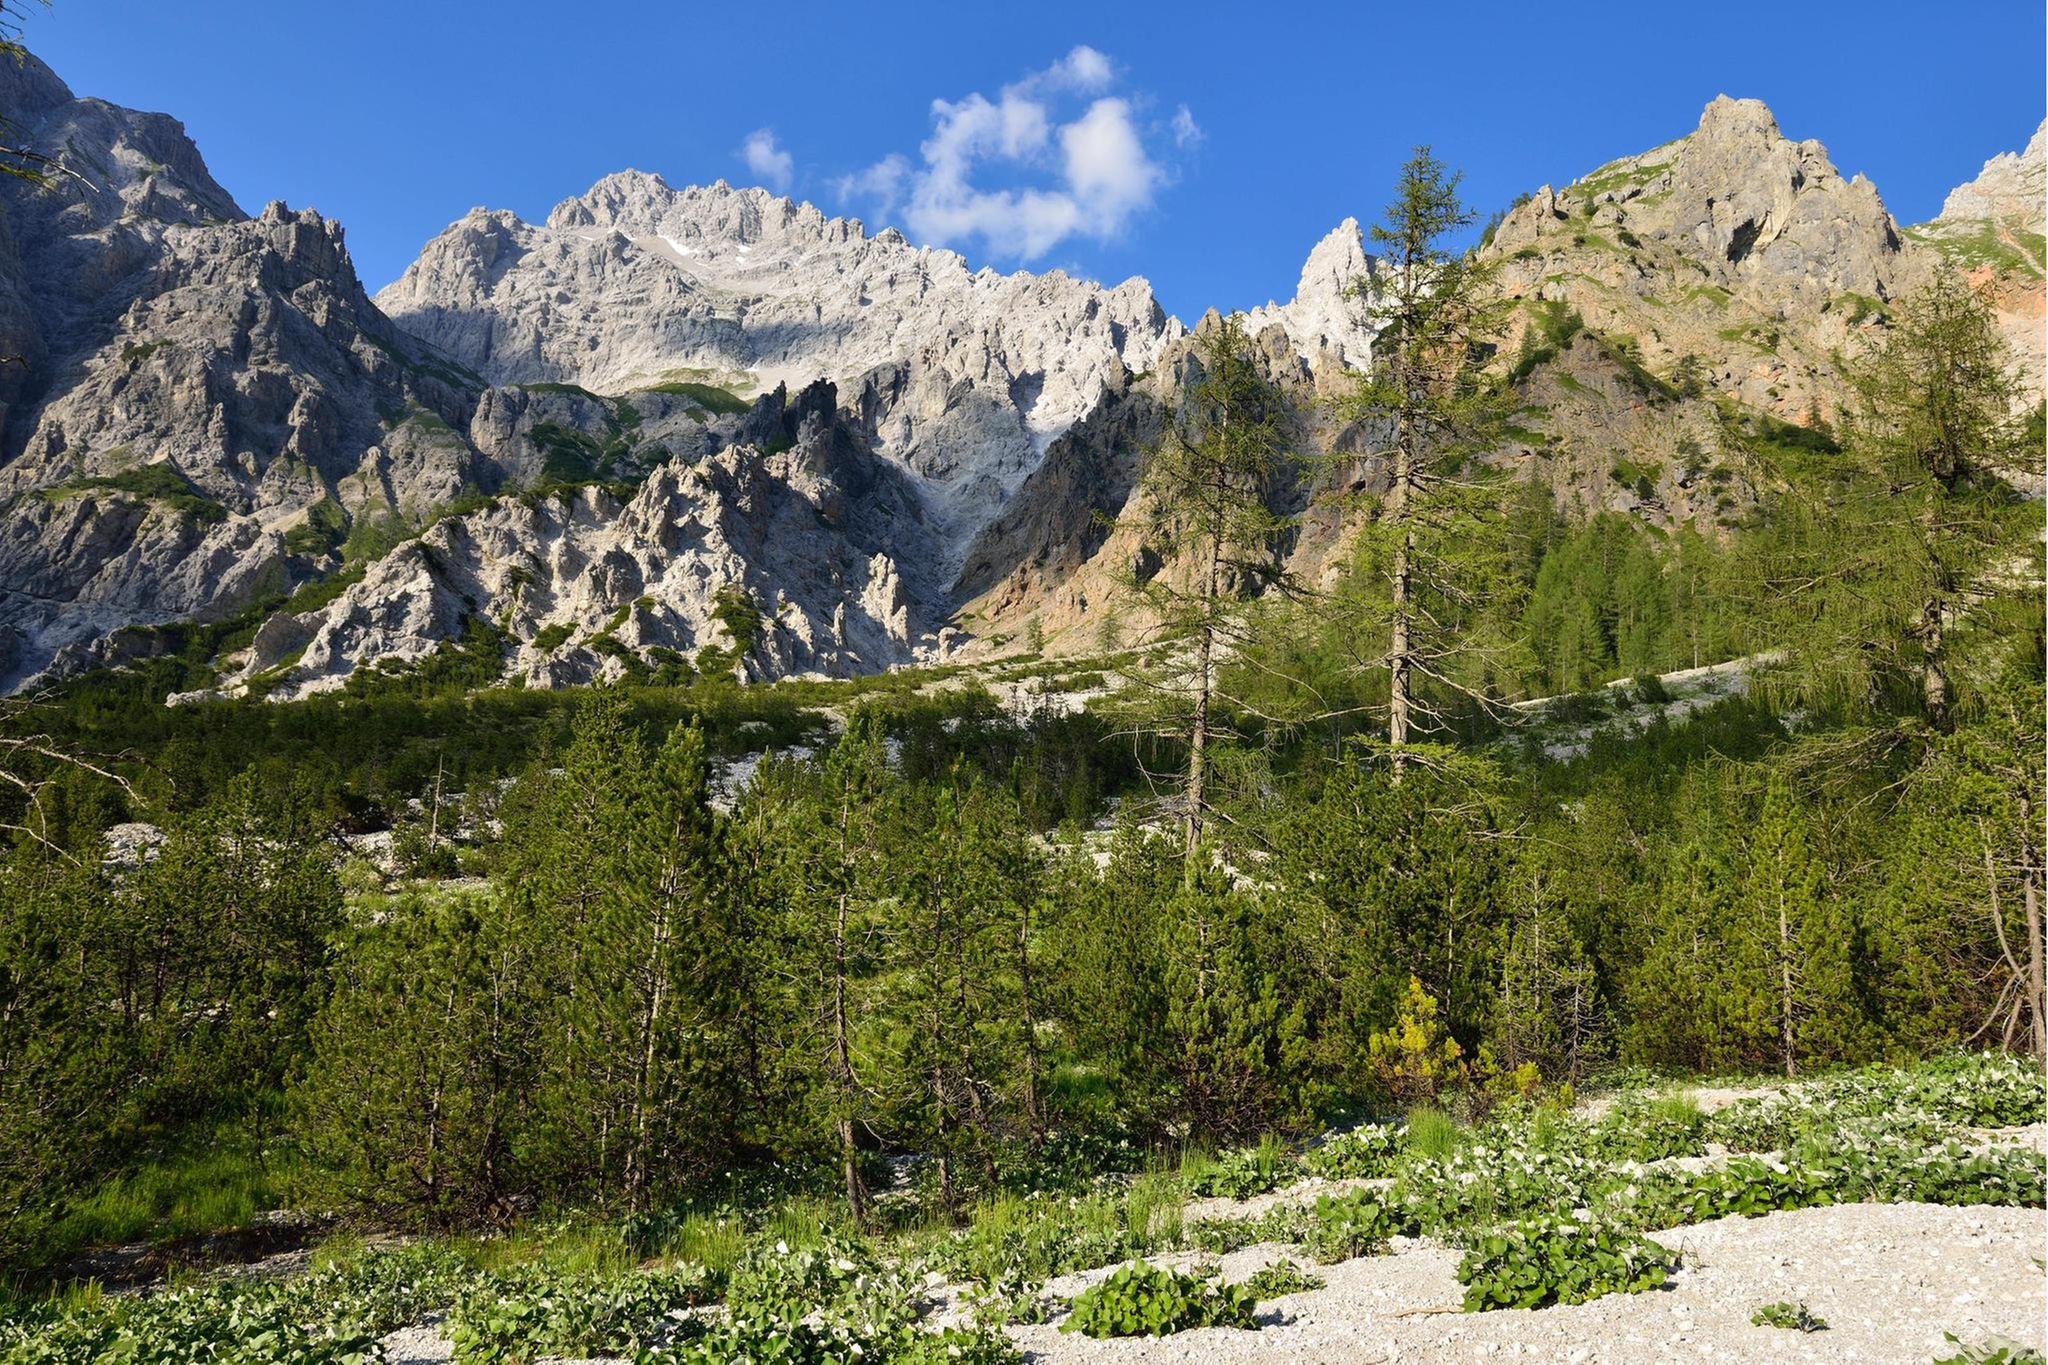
point(698, 780)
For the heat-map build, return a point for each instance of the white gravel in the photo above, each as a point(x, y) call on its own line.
point(1888, 1278)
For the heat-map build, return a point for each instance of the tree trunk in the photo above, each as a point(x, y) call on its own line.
point(1198, 738)
point(1934, 685)
point(654, 996)
point(1785, 1033)
point(2033, 971)
point(2037, 971)
point(842, 1040)
point(970, 1073)
point(1401, 645)
point(1034, 1122)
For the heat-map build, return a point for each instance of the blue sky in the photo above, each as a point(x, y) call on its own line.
point(1206, 147)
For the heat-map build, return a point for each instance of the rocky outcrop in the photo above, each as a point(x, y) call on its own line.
point(193, 383)
point(797, 551)
point(2010, 189)
point(965, 377)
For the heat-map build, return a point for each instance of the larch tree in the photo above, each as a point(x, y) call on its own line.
point(1433, 561)
point(1908, 558)
point(1210, 486)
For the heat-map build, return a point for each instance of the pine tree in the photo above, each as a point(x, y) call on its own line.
point(424, 1064)
point(669, 937)
point(837, 875)
point(1547, 1010)
point(568, 836)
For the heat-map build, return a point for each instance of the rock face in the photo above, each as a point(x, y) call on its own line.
point(963, 377)
point(2010, 188)
point(1330, 315)
point(208, 406)
point(193, 382)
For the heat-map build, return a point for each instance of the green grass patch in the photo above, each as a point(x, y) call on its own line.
point(158, 483)
point(707, 396)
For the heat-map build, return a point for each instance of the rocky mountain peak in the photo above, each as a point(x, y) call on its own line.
point(1760, 207)
point(1327, 318)
point(2011, 187)
point(126, 163)
point(28, 88)
point(638, 203)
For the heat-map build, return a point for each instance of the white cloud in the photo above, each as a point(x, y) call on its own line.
point(1106, 164)
point(1083, 69)
point(881, 183)
point(766, 162)
point(1186, 132)
point(1075, 165)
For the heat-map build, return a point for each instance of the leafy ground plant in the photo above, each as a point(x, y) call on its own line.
point(1369, 1150)
point(1281, 1279)
point(1652, 1129)
point(1141, 1299)
point(1793, 1317)
point(1349, 1225)
point(1996, 1351)
point(1546, 1261)
point(1242, 1173)
point(538, 1311)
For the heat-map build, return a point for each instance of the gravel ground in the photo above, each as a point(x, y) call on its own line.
point(1888, 1278)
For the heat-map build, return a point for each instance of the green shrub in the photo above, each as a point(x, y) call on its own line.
point(159, 483)
point(1546, 1261)
point(1148, 1300)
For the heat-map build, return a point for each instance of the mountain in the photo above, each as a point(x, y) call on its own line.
point(1733, 245)
point(712, 427)
point(209, 413)
point(189, 383)
point(963, 376)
